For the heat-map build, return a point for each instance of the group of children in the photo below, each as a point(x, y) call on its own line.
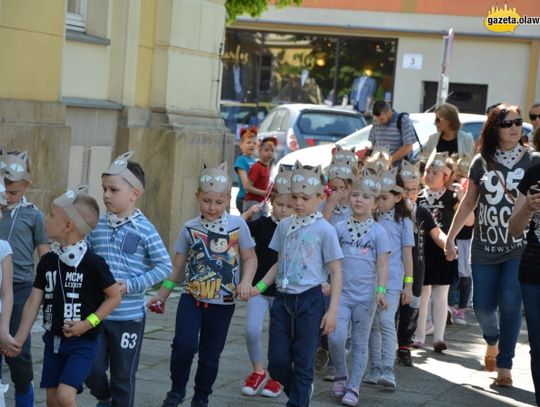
point(339, 267)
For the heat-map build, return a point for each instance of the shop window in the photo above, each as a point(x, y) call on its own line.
point(76, 15)
point(469, 98)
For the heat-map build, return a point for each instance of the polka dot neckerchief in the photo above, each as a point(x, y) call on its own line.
point(115, 221)
point(302, 221)
point(70, 255)
point(387, 215)
point(358, 229)
point(509, 158)
point(219, 226)
point(342, 210)
point(432, 196)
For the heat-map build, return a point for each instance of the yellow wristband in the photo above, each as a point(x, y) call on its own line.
point(408, 279)
point(93, 319)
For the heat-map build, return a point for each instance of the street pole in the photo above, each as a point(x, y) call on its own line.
point(444, 80)
point(336, 72)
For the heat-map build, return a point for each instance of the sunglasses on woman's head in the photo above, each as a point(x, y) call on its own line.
point(508, 123)
point(533, 117)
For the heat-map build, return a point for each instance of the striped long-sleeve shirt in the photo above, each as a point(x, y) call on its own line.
point(136, 254)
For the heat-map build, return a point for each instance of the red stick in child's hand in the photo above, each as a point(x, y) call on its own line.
point(158, 307)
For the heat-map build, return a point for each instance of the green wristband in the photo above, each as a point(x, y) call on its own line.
point(93, 319)
point(408, 279)
point(168, 284)
point(380, 289)
point(262, 286)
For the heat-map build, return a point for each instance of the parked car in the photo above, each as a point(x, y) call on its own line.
point(303, 125)
point(242, 114)
point(423, 124)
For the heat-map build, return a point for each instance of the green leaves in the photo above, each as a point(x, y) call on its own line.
point(253, 7)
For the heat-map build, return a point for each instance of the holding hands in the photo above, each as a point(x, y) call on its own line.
point(9, 346)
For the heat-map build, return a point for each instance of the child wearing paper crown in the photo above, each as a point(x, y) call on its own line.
point(423, 225)
point(137, 258)
point(394, 217)
point(77, 291)
point(365, 272)
point(307, 247)
point(23, 227)
point(262, 230)
point(440, 273)
point(209, 252)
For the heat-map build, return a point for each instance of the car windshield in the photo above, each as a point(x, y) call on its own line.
point(329, 123)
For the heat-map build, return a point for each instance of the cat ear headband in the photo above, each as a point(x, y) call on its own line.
point(437, 161)
point(464, 163)
point(409, 172)
point(306, 181)
point(367, 183)
point(66, 201)
point(379, 160)
point(214, 179)
point(120, 167)
point(282, 183)
point(341, 169)
point(3, 192)
point(14, 167)
point(388, 181)
point(341, 154)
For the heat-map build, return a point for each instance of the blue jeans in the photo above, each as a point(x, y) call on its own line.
point(294, 335)
point(531, 302)
point(200, 327)
point(497, 285)
point(383, 337)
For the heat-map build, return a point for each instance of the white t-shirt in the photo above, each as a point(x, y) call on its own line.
point(5, 250)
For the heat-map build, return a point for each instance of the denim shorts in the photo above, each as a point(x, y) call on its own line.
point(72, 362)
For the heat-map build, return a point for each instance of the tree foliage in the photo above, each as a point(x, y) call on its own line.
point(253, 7)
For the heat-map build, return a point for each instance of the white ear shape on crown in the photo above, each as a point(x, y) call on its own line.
point(23, 155)
point(223, 166)
point(394, 171)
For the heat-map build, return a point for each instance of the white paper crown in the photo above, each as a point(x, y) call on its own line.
point(388, 181)
point(282, 183)
point(14, 167)
point(306, 181)
point(409, 172)
point(367, 183)
point(214, 179)
point(66, 201)
point(120, 167)
point(437, 161)
point(379, 160)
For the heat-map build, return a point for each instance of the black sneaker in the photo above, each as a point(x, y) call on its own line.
point(404, 357)
point(199, 403)
point(173, 399)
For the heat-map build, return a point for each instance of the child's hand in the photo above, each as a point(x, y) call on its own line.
point(450, 250)
point(122, 285)
point(336, 197)
point(406, 296)
point(157, 305)
point(254, 291)
point(326, 289)
point(459, 190)
point(328, 323)
point(243, 291)
point(381, 301)
point(76, 328)
point(10, 346)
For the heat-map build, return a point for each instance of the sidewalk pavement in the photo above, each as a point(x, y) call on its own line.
point(454, 378)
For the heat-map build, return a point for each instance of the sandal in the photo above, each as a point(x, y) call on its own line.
point(503, 381)
point(490, 363)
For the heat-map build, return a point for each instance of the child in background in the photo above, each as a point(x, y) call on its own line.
point(23, 227)
point(77, 291)
point(137, 258)
point(259, 177)
point(423, 225)
point(365, 271)
point(262, 230)
point(394, 217)
point(307, 247)
point(6, 283)
point(440, 273)
point(460, 290)
point(242, 164)
point(209, 252)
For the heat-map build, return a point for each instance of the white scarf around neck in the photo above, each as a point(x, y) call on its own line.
point(70, 255)
point(298, 222)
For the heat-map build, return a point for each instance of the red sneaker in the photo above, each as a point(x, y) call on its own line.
point(254, 383)
point(272, 389)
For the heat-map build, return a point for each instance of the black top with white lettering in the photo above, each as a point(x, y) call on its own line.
point(423, 225)
point(71, 293)
point(529, 268)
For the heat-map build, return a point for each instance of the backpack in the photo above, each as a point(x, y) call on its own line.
point(398, 125)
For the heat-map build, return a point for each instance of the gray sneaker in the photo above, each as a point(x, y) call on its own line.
point(173, 399)
point(387, 378)
point(373, 376)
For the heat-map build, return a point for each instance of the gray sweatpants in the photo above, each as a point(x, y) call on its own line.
point(360, 317)
point(257, 308)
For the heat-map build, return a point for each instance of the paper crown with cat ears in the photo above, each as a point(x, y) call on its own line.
point(3, 192)
point(379, 160)
point(120, 167)
point(409, 171)
point(214, 179)
point(306, 181)
point(388, 181)
point(14, 167)
point(341, 169)
point(342, 154)
point(66, 201)
point(464, 163)
point(367, 183)
point(437, 161)
point(282, 183)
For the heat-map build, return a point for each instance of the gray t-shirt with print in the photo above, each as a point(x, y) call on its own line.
point(492, 242)
point(303, 254)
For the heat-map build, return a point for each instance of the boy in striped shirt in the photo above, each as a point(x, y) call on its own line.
point(137, 258)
